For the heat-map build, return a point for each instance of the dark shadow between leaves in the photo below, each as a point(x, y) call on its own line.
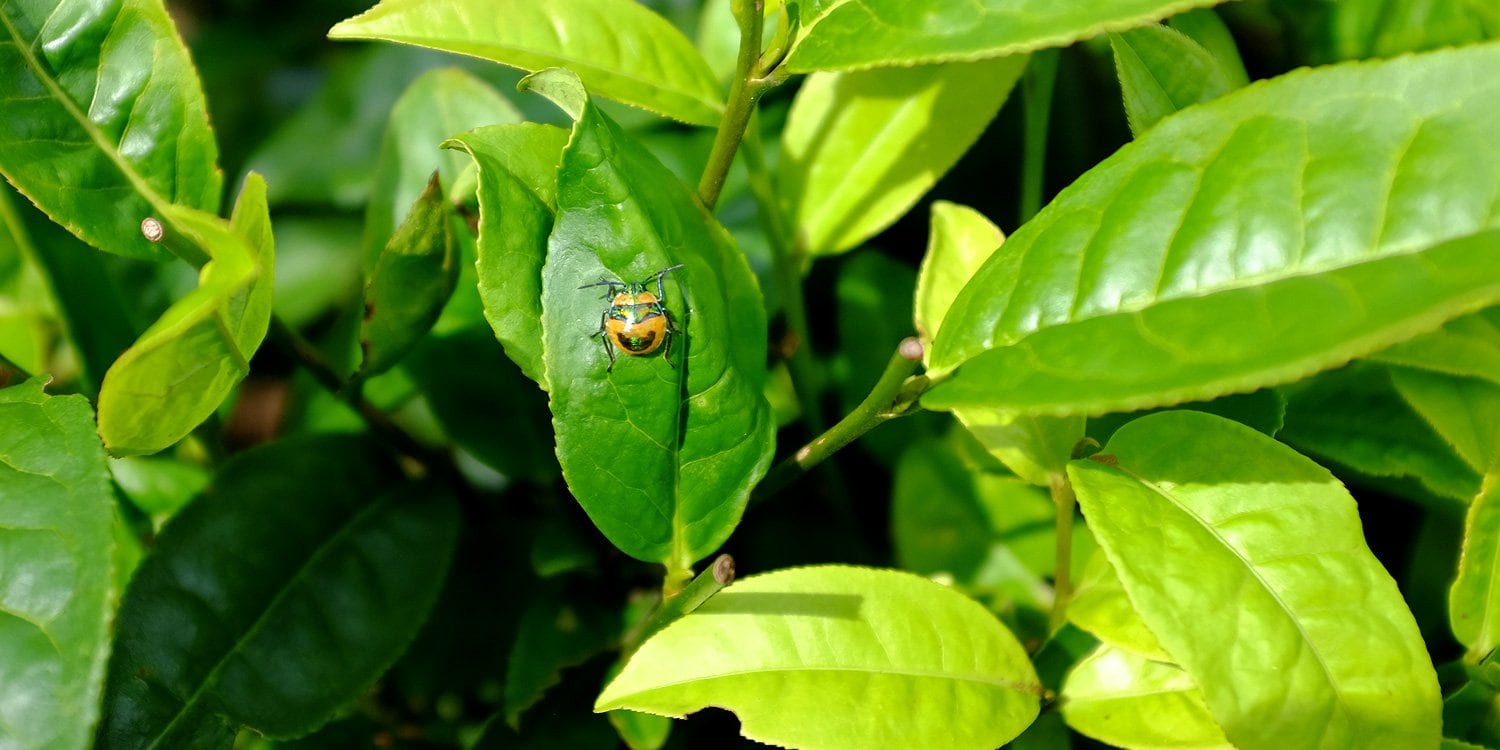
point(842, 606)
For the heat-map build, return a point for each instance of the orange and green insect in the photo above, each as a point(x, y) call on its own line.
point(636, 321)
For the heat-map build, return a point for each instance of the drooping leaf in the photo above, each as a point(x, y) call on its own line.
point(1354, 418)
point(1237, 551)
point(517, 201)
point(410, 283)
point(180, 370)
point(619, 48)
point(1274, 232)
point(860, 148)
point(660, 450)
point(555, 634)
point(277, 597)
point(57, 586)
point(1130, 701)
point(839, 657)
point(436, 106)
point(853, 34)
point(1162, 71)
point(73, 134)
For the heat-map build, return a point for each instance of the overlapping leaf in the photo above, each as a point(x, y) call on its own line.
point(853, 34)
point(1274, 232)
point(57, 588)
point(412, 279)
point(1130, 701)
point(277, 597)
point(1248, 564)
point(180, 370)
point(661, 450)
point(102, 118)
point(837, 657)
point(619, 48)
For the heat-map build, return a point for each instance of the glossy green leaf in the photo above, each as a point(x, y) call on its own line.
point(620, 49)
point(180, 370)
point(847, 34)
point(937, 523)
point(439, 104)
point(555, 634)
point(517, 201)
point(959, 241)
point(412, 280)
point(1354, 418)
point(1247, 562)
point(660, 453)
point(1161, 71)
point(102, 118)
point(1474, 600)
point(1130, 701)
point(839, 657)
point(1242, 243)
point(277, 597)
point(860, 148)
point(1101, 606)
point(57, 586)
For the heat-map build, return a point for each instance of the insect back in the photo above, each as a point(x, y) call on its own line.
point(637, 321)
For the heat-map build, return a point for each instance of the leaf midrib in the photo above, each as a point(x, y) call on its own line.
point(35, 67)
point(255, 628)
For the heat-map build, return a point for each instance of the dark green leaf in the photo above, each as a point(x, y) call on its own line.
point(102, 118)
point(661, 454)
point(1237, 551)
point(1464, 411)
point(860, 148)
point(555, 634)
point(1162, 71)
point(620, 49)
point(57, 588)
point(180, 370)
point(839, 657)
point(411, 282)
point(1245, 242)
point(277, 597)
point(517, 201)
point(852, 34)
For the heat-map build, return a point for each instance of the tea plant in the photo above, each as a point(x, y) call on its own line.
point(310, 475)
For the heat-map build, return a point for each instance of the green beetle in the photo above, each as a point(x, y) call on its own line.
point(636, 322)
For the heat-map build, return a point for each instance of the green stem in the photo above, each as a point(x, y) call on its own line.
point(674, 605)
point(1036, 91)
point(786, 263)
point(894, 395)
point(1063, 500)
point(746, 89)
point(378, 422)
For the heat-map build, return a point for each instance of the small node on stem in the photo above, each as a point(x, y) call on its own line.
point(723, 569)
point(1085, 447)
point(152, 229)
point(911, 349)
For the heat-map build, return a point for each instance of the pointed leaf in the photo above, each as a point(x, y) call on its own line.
point(1162, 71)
point(411, 282)
point(861, 148)
point(661, 454)
point(57, 589)
point(180, 370)
point(1245, 242)
point(1237, 551)
point(1206, 28)
point(1133, 702)
point(439, 104)
point(277, 597)
point(620, 49)
point(839, 657)
point(517, 201)
point(851, 34)
point(102, 118)
point(1474, 600)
